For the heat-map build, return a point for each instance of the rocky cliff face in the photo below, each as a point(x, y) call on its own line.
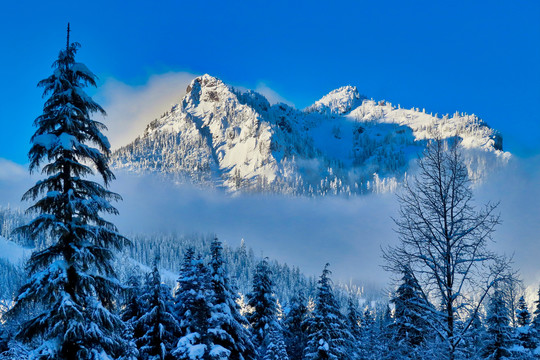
point(343, 143)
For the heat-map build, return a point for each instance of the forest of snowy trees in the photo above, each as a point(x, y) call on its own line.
point(90, 293)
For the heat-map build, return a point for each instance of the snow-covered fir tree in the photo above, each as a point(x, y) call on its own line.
point(410, 326)
point(368, 334)
point(133, 309)
point(524, 336)
point(353, 319)
point(295, 326)
point(133, 305)
point(129, 351)
point(230, 338)
point(263, 302)
point(523, 315)
point(158, 324)
point(535, 324)
point(193, 309)
point(328, 336)
point(70, 294)
point(275, 348)
point(499, 334)
point(473, 341)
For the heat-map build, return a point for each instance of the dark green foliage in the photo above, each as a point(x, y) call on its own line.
point(328, 336)
point(229, 336)
point(263, 302)
point(158, 324)
point(72, 280)
point(193, 308)
point(353, 319)
point(296, 327)
point(524, 336)
point(473, 342)
point(411, 310)
point(275, 345)
point(536, 320)
point(522, 313)
point(498, 340)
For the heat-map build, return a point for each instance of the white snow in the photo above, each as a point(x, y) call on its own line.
point(343, 143)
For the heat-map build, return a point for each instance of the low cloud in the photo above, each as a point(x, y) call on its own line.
point(271, 95)
point(516, 188)
point(305, 232)
point(131, 108)
point(14, 181)
point(308, 232)
point(10, 171)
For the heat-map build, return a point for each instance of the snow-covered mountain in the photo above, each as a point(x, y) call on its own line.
point(344, 143)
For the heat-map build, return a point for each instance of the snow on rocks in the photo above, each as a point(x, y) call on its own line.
point(343, 143)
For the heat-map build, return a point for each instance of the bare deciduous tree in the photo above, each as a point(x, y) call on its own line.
point(443, 241)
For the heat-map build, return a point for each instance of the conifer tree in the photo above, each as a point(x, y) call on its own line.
point(328, 335)
point(535, 324)
point(295, 326)
point(353, 323)
point(523, 331)
point(275, 345)
point(132, 310)
point(159, 325)
point(193, 309)
point(410, 326)
point(523, 315)
point(133, 306)
point(498, 340)
point(263, 302)
point(353, 319)
point(129, 351)
point(230, 339)
point(474, 338)
point(72, 280)
point(368, 333)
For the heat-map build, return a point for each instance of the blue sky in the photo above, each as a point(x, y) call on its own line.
point(479, 57)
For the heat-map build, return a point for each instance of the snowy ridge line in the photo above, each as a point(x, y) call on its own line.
point(219, 136)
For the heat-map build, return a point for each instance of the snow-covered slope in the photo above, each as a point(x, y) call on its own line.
point(220, 136)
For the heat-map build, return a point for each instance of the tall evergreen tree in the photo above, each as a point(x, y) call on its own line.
point(473, 344)
point(133, 309)
point(72, 280)
point(263, 302)
point(410, 326)
point(193, 309)
point(275, 345)
point(353, 319)
point(523, 315)
point(368, 334)
point(328, 335)
point(133, 306)
point(535, 324)
point(498, 341)
point(230, 339)
point(524, 336)
point(295, 326)
point(353, 322)
point(160, 327)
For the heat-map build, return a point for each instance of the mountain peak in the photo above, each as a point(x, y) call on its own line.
point(338, 102)
point(233, 138)
point(204, 81)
